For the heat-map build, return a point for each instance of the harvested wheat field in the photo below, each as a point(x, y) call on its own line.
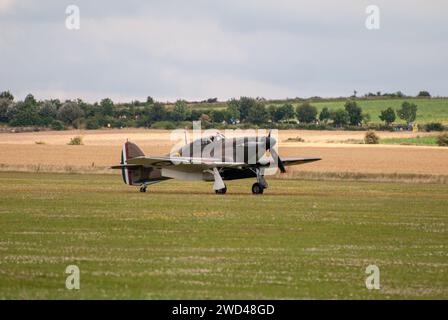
point(49, 150)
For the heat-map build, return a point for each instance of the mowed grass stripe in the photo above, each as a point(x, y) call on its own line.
point(302, 239)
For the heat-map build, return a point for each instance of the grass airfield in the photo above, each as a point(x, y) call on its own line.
point(300, 240)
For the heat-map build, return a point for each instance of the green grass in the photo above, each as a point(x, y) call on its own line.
point(429, 110)
point(301, 239)
point(429, 141)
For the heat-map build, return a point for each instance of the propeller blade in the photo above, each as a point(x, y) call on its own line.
point(274, 154)
point(280, 164)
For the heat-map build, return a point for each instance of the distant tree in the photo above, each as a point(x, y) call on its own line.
point(149, 100)
point(283, 112)
point(287, 111)
point(258, 113)
point(57, 125)
point(424, 94)
point(47, 112)
point(156, 112)
point(93, 123)
point(408, 112)
point(27, 117)
point(340, 117)
point(180, 111)
point(56, 102)
point(23, 114)
point(354, 112)
point(29, 100)
point(212, 100)
point(273, 115)
point(388, 116)
point(233, 110)
point(4, 104)
point(13, 109)
point(245, 105)
point(90, 110)
point(69, 113)
point(325, 115)
point(195, 114)
point(218, 116)
point(107, 107)
point(306, 113)
point(7, 95)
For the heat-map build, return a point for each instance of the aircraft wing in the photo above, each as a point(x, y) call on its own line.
point(203, 163)
point(126, 166)
point(179, 162)
point(296, 161)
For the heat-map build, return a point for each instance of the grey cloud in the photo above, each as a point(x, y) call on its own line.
point(196, 49)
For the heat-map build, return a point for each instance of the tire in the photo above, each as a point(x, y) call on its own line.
point(142, 189)
point(221, 191)
point(257, 188)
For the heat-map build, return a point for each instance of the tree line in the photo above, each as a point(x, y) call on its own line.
point(243, 111)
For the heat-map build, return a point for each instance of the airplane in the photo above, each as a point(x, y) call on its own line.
point(229, 159)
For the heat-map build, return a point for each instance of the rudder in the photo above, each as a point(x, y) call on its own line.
point(130, 150)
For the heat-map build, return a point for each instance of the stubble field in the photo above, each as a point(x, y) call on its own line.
point(48, 151)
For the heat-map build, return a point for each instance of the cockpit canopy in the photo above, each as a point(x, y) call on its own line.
point(212, 138)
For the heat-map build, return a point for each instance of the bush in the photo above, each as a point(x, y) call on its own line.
point(57, 125)
point(76, 141)
point(371, 138)
point(442, 140)
point(424, 94)
point(434, 126)
point(169, 125)
point(92, 124)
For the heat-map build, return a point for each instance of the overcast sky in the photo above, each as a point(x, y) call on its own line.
point(130, 49)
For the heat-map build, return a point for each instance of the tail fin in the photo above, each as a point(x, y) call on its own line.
point(130, 150)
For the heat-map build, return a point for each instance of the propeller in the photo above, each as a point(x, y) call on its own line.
point(270, 142)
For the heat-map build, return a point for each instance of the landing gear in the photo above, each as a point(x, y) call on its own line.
point(221, 191)
point(257, 188)
point(143, 188)
point(261, 184)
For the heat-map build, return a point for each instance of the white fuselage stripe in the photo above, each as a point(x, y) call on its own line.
point(125, 161)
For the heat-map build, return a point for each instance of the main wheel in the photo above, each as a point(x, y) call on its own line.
point(142, 189)
point(221, 191)
point(257, 188)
